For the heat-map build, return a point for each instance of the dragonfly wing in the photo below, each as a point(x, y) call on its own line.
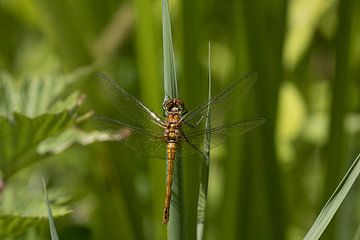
point(221, 103)
point(143, 142)
point(195, 142)
point(127, 105)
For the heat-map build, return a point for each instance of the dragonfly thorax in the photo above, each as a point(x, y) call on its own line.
point(173, 125)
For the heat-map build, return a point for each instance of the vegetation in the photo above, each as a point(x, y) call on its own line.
point(270, 183)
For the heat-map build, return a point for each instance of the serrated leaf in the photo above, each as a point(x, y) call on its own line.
point(22, 208)
point(20, 135)
point(12, 225)
point(31, 96)
point(68, 138)
point(32, 110)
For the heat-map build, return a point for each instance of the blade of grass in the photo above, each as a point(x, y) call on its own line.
point(194, 82)
point(203, 189)
point(170, 81)
point(53, 232)
point(357, 234)
point(236, 207)
point(265, 54)
point(175, 226)
point(148, 57)
point(332, 205)
point(336, 146)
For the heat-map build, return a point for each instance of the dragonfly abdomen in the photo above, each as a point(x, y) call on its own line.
point(171, 151)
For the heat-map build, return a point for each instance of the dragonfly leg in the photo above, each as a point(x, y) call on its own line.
point(196, 124)
point(192, 145)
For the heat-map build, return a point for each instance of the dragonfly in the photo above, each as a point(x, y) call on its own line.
point(179, 131)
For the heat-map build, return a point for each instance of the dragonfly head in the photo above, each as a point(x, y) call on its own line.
point(174, 106)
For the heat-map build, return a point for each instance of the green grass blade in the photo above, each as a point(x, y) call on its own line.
point(334, 202)
point(170, 82)
point(203, 189)
point(339, 108)
point(175, 229)
point(149, 57)
point(53, 232)
point(357, 234)
point(193, 81)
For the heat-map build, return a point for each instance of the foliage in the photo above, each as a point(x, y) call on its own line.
point(35, 123)
point(23, 207)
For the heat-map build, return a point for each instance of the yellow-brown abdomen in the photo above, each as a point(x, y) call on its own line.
point(171, 151)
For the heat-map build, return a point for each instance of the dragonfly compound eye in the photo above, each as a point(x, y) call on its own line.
point(167, 106)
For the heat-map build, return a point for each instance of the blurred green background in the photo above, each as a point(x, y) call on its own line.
point(270, 183)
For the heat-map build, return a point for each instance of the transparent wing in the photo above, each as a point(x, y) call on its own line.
point(127, 105)
point(220, 103)
point(142, 141)
point(193, 143)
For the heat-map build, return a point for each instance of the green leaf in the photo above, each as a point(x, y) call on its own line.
point(330, 208)
point(71, 136)
point(22, 207)
point(31, 111)
point(33, 95)
point(20, 135)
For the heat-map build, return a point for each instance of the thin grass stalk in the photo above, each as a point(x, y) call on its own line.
point(357, 234)
point(175, 226)
point(235, 208)
point(205, 168)
point(53, 232)
point(194, 83)
point(147, 48)
point(266, 46)
point(335, 151)
point(332, 205)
